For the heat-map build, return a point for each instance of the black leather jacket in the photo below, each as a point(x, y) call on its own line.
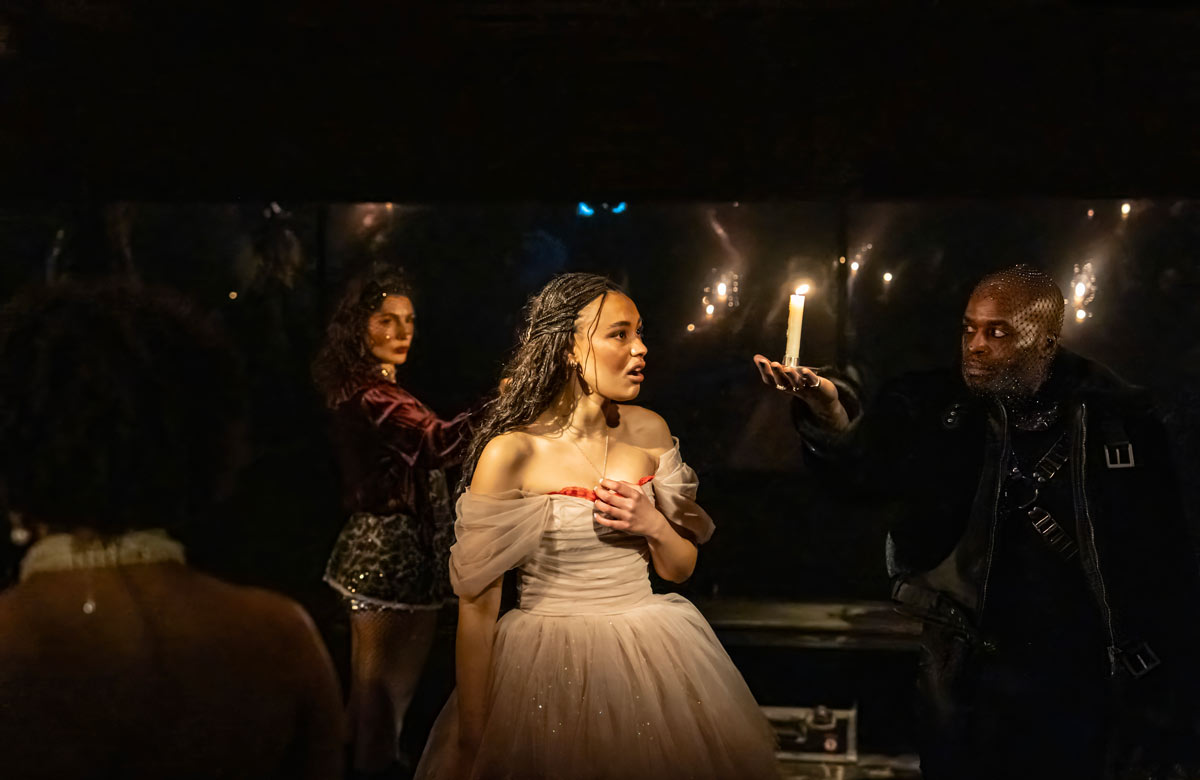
point(936, 454)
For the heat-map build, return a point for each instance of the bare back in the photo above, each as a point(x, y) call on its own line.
point(175, 674)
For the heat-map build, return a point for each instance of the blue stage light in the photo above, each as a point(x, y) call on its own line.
point(585, 210)
point(620, 207)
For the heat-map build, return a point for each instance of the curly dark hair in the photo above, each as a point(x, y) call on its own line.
point(344, 363)
point(117, 406)
point(539, 369)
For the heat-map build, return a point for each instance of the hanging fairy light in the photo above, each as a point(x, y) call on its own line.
point(1126, 209)
point(1083, 290)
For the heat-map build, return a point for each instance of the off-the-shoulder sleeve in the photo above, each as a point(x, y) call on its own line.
point(675, 493)
point(494, 534)
point(418, 435)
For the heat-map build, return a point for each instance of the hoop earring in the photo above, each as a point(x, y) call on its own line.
point(19, 534)
point(583, 383)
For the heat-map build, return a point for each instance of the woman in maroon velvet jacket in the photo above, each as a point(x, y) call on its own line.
point(390, 561)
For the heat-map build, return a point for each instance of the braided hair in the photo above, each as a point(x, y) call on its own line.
point(539, 369)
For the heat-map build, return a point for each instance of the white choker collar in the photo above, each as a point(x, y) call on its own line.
point(64, 552)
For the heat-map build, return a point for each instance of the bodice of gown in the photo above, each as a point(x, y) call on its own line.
point(568, 564)
point(581, 566)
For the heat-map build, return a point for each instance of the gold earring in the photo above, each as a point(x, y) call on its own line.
point(20, 535)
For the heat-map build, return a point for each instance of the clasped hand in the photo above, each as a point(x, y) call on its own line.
point(625, 507)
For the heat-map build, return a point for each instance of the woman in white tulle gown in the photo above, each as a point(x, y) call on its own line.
point(593, 676)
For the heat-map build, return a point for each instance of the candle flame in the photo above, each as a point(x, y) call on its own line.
point(854, 266)
point(709, 309)
point(888, 276)
point(802, 289)
point(722, 289)
point(1080, 315)
point(1125, 209)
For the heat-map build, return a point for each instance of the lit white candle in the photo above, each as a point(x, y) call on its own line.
point(791, 354)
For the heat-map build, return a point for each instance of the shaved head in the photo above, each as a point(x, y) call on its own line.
point(1010, 331)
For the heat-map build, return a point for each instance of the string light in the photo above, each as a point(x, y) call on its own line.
point(1080, 315)
point(854, 266)
point(1125, 209)
point(691, 327)
point(233, 295)
point(887, 277)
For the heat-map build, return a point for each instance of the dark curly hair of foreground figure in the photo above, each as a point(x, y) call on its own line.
point(118, 405)
point(344, 363)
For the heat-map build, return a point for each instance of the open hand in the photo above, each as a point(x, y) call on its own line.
point(624, 507)
point(799, 381)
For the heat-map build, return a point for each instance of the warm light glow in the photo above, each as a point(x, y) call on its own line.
point(709, 309)
point(802, 289)
point(854, 266)
point(888, 276)
point(842, 260)
point(1091, 213)
point(722, 289)
point(1125, 209)
point(1080, 290)
point(233, 295)
point(691, 327)
point(1080, 315)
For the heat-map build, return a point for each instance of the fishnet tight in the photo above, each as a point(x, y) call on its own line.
point(388, 649)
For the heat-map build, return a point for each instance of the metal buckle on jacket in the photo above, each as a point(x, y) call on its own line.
point(1119, 455)
point(1137, 658)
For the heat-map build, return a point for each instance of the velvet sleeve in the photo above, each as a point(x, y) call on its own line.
point(413, 431)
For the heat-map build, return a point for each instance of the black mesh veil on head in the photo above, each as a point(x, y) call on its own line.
point(1010, 332)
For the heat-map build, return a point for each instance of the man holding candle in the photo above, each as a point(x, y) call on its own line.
point(1037, 533)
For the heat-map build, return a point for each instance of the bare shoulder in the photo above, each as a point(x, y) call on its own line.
point(286, 620)
point(646, 429)
point(502, 463)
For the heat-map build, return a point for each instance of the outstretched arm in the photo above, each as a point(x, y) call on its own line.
point(818, 393)
point(418, 435)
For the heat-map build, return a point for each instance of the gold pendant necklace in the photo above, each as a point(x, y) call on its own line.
point(603, 472)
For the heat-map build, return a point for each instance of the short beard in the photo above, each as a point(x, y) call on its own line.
point(1008, 387)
